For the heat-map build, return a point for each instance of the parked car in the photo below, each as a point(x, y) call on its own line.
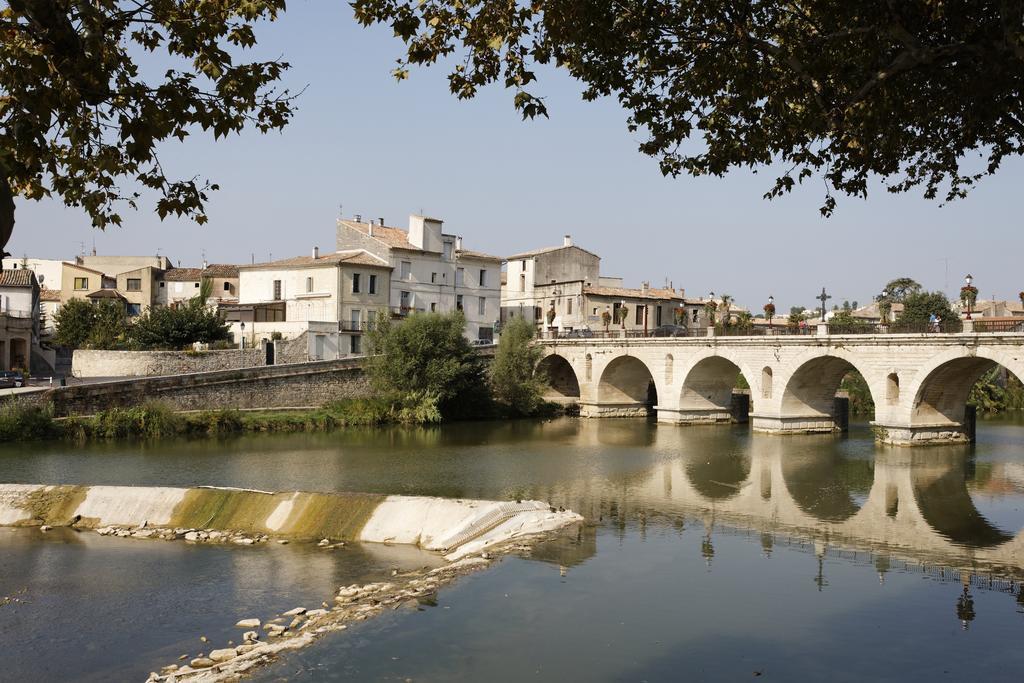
point(482, 342)
point(669, 331)
point(581, 333)
point(11, 380)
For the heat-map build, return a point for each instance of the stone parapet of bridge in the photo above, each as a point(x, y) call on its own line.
point(919, 382)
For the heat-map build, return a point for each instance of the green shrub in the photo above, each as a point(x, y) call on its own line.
point(20, 422)
point(427, 355)
point(514, 383)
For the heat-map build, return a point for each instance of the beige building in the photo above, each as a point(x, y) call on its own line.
point(78, 282)
point(138, 288)
point(179, 285)
point(115, 265)
point(333, 299)
point(431, 270)
point(560, 289)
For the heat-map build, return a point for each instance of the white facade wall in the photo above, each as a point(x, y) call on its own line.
point(318, 302)
point(168, 293)
point(48, 271)
point(18, 299)
point(427, 282)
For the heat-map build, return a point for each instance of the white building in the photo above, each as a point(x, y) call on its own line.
point(48, 271)
point(333, 299)
point(19, 318)
point(431, 270)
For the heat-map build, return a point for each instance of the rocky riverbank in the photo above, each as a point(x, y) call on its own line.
point(262, 642)
point(469, 533)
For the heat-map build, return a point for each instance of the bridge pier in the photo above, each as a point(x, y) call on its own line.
point(938, 434)
point(793, 424)
point(691, 416)
point(625, 409)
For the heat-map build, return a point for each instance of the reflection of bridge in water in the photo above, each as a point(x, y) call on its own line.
point(911, 504)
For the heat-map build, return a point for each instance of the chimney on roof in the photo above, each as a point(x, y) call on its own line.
point(645, 286)
point(380, 221)
point(369, 230)
point(205, 264)
point(567, 241)
point(458, 243)
point(359, 218)
point(316, 252)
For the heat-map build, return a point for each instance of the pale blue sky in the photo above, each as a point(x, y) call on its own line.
point(382, 148)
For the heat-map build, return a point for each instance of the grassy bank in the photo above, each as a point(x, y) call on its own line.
point(155, 420)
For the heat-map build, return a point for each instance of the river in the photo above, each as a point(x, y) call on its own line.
point(713, 554)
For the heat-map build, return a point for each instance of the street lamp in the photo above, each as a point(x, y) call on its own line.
point(771, 316)
point(241, 345)
point(970, 300)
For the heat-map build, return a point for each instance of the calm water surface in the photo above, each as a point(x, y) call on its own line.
point(713, 554)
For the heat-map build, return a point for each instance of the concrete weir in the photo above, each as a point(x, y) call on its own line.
point(454, 527)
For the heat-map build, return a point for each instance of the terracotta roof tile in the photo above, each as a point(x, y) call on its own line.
point(392, 237)
point(49, 294)
point(183, 275)
point(19, 277)
point(105, 294)
point(652, 293)
point(479, 255)
point(546, 250)
point(222, 270)
point(359, 257)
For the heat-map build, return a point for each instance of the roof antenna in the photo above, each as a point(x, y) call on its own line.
point(93, 246)
point(341, 214)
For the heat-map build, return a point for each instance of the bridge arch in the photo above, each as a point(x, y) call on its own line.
point(826, 485)
point(560, 376)
point(719, 476)
point(806, 394)
point(706, 390)
point(939, 487)
point(941, 389)
point(626, 388)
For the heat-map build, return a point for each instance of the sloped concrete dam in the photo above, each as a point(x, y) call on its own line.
point(454, 527)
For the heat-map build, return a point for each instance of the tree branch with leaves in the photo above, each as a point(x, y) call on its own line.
point(90, 90)
point(846, 91)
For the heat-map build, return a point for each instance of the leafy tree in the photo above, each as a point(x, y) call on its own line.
point(898, 90)
point(744, 320)
point(902, 287)
point(513, 381)
point(82, 324)
point(110, 326)
point(92, 89)
point(74, 323)
point(842, 321)
point(918, 307)
point(164, 327)
point(427, 355)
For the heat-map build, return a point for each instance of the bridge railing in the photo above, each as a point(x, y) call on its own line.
point(810, 329)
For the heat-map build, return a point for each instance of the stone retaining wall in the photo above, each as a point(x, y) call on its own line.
point(277, 386)
point(95, 363)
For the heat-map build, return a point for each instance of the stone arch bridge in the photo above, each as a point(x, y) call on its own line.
point(919, 382)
